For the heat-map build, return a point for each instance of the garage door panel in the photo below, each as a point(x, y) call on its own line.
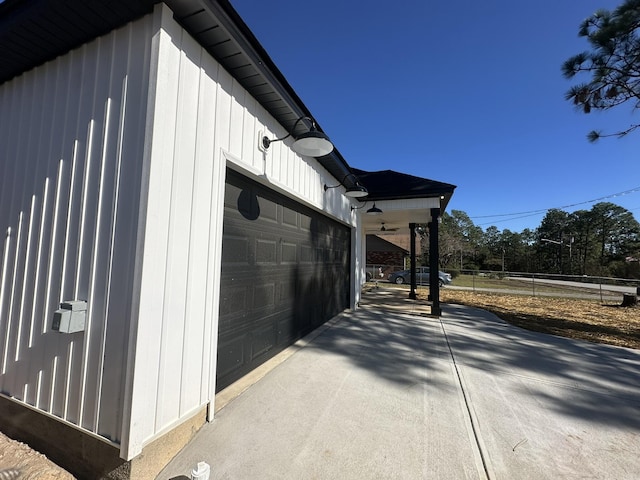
point(307, 254)
point(289, 218)
point(266, 251)
point(263, 339)
point(268, 210)
point(285, 271)
point(305, 222)
point(264, 296)
point(288, 253)
point(286, 334)
point(230, 355)
point(233, 301)
point(237, 250)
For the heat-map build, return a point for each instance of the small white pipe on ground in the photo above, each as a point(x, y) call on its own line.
point(201, 471)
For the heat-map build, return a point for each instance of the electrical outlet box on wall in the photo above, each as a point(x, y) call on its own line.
point(71, 317)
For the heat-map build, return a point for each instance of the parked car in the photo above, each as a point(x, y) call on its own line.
point(422, 277)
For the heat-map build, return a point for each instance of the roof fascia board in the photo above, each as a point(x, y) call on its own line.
point(249, 44)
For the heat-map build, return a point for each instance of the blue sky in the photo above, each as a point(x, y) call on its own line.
point(463, 92)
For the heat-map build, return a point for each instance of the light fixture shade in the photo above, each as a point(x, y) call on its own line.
point(356, 191)
point(312, 144)
point(374, 210)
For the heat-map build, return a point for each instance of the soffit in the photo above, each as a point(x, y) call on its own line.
point(33, 32)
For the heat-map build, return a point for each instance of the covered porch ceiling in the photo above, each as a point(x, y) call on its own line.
point(403, 199)
point(396, 215)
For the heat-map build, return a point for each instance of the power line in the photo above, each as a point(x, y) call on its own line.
point(510, 219)
point(538, 212)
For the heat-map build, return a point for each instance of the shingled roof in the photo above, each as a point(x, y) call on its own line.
point(391, 185)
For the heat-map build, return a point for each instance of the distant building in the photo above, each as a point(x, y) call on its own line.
point(382, 252)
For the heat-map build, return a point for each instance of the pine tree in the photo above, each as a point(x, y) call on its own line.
point(613, 63)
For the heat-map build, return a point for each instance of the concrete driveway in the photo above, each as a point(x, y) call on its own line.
point(386, 394)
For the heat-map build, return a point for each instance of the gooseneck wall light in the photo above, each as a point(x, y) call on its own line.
point(372, 211)
point(311, 144)
point(354, 191)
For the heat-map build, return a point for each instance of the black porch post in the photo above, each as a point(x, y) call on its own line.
point(412, 248)
point(434, 268)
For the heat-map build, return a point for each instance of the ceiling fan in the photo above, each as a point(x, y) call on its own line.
point(385, 229)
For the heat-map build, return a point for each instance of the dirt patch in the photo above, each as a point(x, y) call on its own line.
point(20, 462)
point(579, 319)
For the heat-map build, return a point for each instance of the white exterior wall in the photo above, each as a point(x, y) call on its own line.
point(71, 145)
point(200, 120)
point(112, 171)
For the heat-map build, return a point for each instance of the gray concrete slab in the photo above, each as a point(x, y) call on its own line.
point(382, 394)
point(545, 406)
point(375, 396)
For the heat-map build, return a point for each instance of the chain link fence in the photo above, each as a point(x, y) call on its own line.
point(603, 289)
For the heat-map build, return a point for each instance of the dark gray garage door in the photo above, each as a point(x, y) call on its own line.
point(285, 271)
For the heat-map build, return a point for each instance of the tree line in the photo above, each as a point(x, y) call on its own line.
point(603, 241)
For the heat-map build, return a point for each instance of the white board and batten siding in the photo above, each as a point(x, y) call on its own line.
point(201, 120)
point(112, 175)
point(71, 141)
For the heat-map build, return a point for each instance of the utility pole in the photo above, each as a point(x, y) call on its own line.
point(561, 243)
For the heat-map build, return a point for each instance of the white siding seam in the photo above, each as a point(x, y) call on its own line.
point(5, 264)
point(54, 238)
point(36, 296)
point(38, 387)
point(112, 240)
point(13, 293)
point(93, 270)
point(211, 314)
point(25, 278)
point(130, 445)
point(83, 209)
point(52, 257)
point(67, 381)
point(65, 255)
point(194, 193)
point(54, 374)
point(214, 276)
point(167, 264)
point(80, 248)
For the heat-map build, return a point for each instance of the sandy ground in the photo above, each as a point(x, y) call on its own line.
point(20, 462)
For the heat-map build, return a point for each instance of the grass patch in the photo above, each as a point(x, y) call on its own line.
point(480, 281)
point(526, 285)
point(573, 318)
